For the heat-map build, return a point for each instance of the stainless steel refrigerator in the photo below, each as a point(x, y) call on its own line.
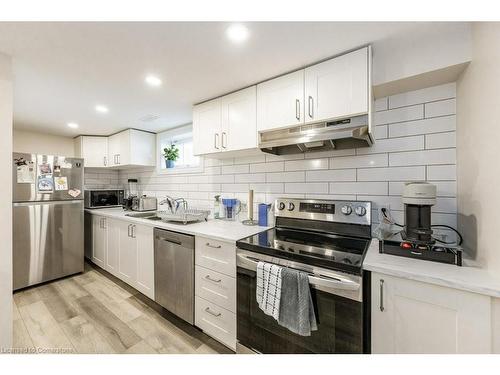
point(47, 218)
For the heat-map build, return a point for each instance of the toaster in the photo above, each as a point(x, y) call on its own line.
point(144, 203)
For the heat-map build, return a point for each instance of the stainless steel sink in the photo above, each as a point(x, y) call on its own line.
point(150, 215)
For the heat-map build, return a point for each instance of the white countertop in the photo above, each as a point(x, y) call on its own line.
point(470, 277)
point(217, 229)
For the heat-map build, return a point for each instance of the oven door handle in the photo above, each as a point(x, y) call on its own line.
point(329, 282)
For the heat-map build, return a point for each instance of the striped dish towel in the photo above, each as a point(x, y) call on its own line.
point(269, 288)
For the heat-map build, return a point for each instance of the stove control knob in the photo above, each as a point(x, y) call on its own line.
point(291, 206)
point(346, 210)
point(281, 206)
point(360, 211)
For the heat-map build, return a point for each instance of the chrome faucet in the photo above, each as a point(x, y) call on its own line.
point(173, 204)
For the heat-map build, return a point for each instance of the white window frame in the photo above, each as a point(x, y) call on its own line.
point(160, 160)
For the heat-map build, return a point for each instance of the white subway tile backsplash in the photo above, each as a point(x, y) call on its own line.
point(441, 108)
point(373, 188)
point(427, 157)
point(407, 147)
point(277, 166)
point(381, 104)
point(390, 116)
point(440, 140)
point(331, 175)
point(394, 145)
point(298, 176)
point(442, 173)
point(364, 161)
point(229, 169)
point(380, 131)
point(311, 187)
point(426, 126)
point(392, 174)
point(235, 188)
point(306, 165)
point(251, 177)
point(429, 94)
point(267, 187)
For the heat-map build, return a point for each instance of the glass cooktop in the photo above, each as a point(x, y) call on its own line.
point(320, 249)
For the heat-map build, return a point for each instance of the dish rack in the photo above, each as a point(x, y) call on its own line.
point(184, 216)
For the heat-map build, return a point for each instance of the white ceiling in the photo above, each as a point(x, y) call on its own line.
point(62, 70)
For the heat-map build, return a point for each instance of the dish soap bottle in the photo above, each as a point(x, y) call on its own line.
point(217, 207)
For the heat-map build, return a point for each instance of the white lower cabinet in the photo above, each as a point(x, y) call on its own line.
point(215, 289)
point(145, 282)
point(415, 317)
point(126, 251)
point(99, 240)
point(216, 321)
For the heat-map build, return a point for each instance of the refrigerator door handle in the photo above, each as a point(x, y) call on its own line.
point(41, 203)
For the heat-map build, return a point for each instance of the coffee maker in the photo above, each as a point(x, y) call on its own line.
point(418, 198)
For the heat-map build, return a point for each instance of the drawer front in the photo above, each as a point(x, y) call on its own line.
point(216, 322)
point(216, 255)
point(216, 287)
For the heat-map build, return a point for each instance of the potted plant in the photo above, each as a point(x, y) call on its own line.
point(171, 154)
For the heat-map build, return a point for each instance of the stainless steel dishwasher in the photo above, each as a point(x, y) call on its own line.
point(174, 273)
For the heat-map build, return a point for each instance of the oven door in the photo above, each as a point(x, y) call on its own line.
point(338, 308)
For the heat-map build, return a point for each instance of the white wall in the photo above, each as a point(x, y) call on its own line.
point(6, 203)
point(415, 140)
point(39, 143)
point(398, 58)
point(478, 136)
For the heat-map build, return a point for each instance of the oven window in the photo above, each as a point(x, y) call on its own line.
point(340, 324)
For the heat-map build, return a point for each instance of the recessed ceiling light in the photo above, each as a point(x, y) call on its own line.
point(153, 81)
point(72, 125)
point(101, 109)
point(237, 33)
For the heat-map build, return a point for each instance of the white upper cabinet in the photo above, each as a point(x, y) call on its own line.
point(132, 148)
point(280, 101)
point(239, 120)
point(207, 126)
point(226, 124)
point(414, 317)
point(338, 87)
point(93, 149)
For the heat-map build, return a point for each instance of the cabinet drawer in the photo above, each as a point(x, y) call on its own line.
point(216, 322)
point(216, 287)
point(216, 255)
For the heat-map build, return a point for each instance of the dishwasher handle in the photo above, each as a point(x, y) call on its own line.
point(169, 240)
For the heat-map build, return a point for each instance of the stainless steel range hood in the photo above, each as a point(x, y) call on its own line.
point(347, 133)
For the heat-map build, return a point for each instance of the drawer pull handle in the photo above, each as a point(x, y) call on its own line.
point(215, 281)
point(213, 246)
point(212, 313)
point(381, 303)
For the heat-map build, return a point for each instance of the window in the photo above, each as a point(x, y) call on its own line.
point(182, 138)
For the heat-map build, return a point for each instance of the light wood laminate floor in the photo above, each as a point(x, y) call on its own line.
point(94, 312)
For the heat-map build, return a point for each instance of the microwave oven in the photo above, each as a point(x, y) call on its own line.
point(103, 198)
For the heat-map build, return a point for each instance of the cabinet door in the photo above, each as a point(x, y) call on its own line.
point(127, 254)
point(95, 151)
point(143, 148)
point(415, 317)
point(99, 240)
point(119, 148)
point(112, 254)
point(239, 120)
point(338, 87)
point(207, 123)
point(145, 260)
point(280, 101)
